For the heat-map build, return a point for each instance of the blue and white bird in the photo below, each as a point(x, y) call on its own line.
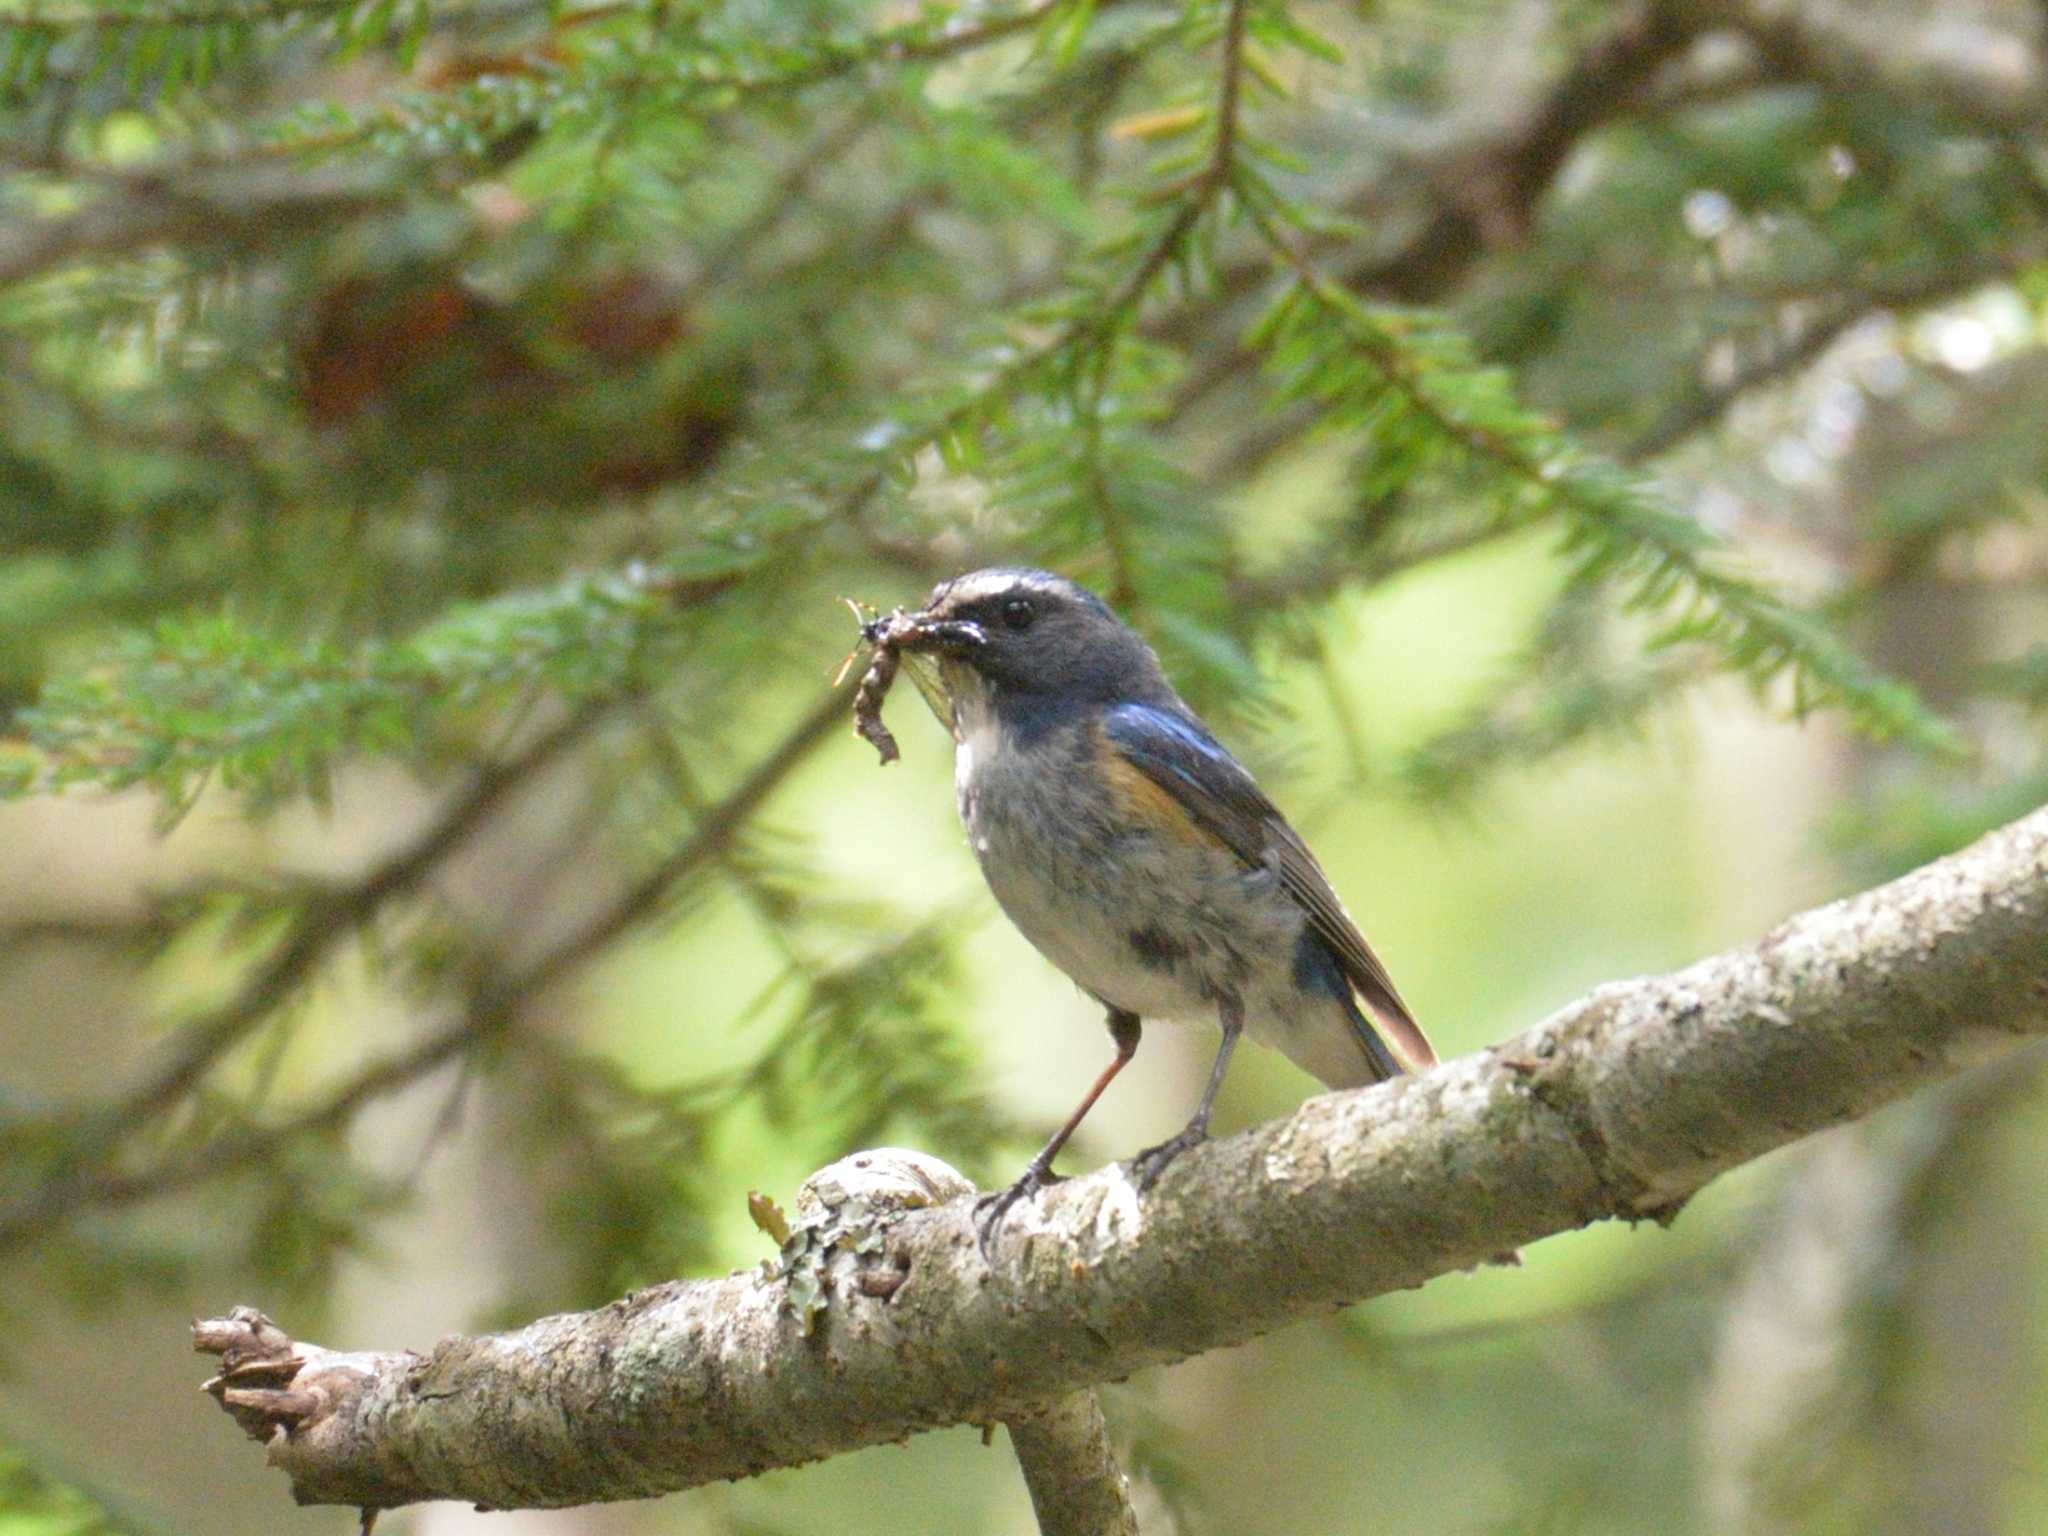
point(1137, 854)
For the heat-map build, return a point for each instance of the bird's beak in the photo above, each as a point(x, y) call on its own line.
point(942, 637)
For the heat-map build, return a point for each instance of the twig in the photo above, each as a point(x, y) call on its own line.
point(49, 20)
point(236, 1150)
point(711, 839)
point(1905, 290)
point(1475, 192)
point(147, 212)
point(689, 793)
point(1861, 49)
point(488, 1012)
point(327, 919)
point(335, 915)
point(1105, 327)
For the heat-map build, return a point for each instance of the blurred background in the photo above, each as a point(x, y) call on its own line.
point(1588, 457)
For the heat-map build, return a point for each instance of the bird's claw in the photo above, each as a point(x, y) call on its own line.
point(990, 1209)
point(1150, 1163)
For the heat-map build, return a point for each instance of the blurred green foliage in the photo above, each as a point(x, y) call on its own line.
point(37, 1502)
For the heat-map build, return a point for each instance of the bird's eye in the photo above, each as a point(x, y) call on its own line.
point(1018, 613)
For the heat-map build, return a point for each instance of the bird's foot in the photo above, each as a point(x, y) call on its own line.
point(1150, 1163)
point(990, 1209)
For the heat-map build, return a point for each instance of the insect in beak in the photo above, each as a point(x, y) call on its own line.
point(911, 641)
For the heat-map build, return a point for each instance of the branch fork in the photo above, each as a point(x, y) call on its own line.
point(883, 1319)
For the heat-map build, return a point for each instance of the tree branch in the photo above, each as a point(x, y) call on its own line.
point(1436, 207)
point(1478, 187)
point(1077, 1489)
point(81, 1175)
point(1986, 76)
point(86, 1181)
point(889, 1322)
point(254, 210)
point(1907, 290)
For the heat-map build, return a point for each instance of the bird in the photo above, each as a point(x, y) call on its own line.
point(1128, 845)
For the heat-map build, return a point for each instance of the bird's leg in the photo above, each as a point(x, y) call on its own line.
point(1124, 1032)
point(1150, 1163)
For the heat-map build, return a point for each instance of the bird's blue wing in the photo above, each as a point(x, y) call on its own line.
point(1174, 751)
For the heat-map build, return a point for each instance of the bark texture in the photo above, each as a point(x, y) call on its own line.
point(1077, 1489)
point(884, 1320)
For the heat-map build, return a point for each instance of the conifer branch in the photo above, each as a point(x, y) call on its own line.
point(82, 1177)
point(90, 1178)
point(1621, 522)
point(134, 214)
point(1456, 199)
point(59, 19)
point(1846, 305)
point(1991, 76)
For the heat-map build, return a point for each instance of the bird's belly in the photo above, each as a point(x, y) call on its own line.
point(1140, 919)
point(1091, 940)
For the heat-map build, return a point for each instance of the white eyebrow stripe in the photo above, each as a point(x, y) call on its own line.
point(984, 588)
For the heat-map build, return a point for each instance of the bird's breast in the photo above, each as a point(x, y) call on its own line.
point(1107, 886)
point(978, 753)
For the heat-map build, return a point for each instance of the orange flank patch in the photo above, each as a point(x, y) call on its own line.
point(1141, 798)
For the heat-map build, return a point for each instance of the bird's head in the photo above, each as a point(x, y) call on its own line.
point(1013, 634)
